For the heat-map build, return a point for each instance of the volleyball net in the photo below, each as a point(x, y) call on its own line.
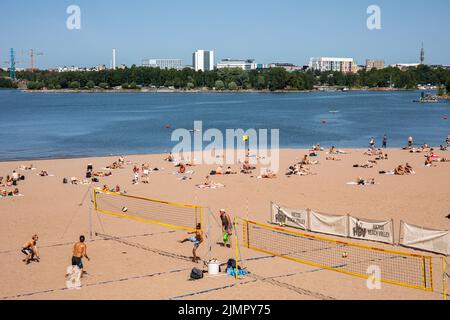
point(400, 268)
point(168, 214)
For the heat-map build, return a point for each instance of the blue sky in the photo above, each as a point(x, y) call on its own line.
point(266, 30)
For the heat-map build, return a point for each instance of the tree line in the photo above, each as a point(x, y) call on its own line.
point(235, 79)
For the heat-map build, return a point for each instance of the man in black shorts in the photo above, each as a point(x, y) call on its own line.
point(30, 250)
point(79, 251)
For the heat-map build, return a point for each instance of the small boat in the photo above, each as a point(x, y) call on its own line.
point(427, 98)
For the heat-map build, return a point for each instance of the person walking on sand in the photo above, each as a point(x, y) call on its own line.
point(385, 141)
point(372, 143)
point(410, 142)
point(227, 228)
point(80, 251)
point(30, 250)
point(197, 239)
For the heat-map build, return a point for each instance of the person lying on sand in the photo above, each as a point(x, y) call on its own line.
point(102, 174)
point(121, 160)
point(197, 239)
point(333, 150)
point(13, 193)
point(367, 165)
point(409, 169)
point(364, 182)
point(317, 147)
point(26, 168)
point(30, 250)
point(105, 188)
point(170, 158)
point(399, 171)
point(247, 168)
point(428, 161)
point(443, 148)
point(332, 159)
point(269, 174)
point(79, 252)
point(229, 171)
point(218, 171)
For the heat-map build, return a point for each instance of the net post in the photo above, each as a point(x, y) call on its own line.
point(424, 276)
point(236, 252)
point(90, 216)
point(444, 278)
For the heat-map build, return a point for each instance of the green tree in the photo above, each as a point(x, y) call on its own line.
point(125, 86)
point(74, 85)
point(219, 84)
point(104, 85)
point(190, 85)
point(232, 86)
point(447, 84)
point(90, 84)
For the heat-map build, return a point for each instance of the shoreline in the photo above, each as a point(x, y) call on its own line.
point(331, 89)
point(158, 153)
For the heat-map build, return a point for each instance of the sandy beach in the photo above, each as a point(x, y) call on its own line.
point(119, 270)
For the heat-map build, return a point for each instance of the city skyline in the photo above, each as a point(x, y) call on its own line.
point(272, 33)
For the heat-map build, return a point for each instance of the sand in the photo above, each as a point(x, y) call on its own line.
point(120, 271)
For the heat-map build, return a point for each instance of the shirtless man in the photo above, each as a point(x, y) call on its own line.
point(30, 250)
point(197, 240)
point(79, 251)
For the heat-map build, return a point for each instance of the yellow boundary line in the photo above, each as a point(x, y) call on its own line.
point(364, 276)
point(178, 204)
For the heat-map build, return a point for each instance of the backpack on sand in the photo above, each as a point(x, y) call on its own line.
point(196, 274)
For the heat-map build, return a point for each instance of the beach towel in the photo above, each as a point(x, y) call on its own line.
point(212, 186)
point(241, 272)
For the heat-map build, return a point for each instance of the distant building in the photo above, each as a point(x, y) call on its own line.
point(235, 63)
point(374, 64)
point(203, 60)
point(405, 66)
point(323, 64)
point(163, 63)
point(286, 66)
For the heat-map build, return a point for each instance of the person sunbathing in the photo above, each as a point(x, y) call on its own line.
point(305, 160)
point(229, 171)
point(363, 182)
point(429, 161)
point(332, 159)
point(170, 158)
point(43, 173)
point(207, 181)
point(105, 188)
point(409, 169)
point(365, 166)
point(443, 148)
point(269, 174)
point(219, 170)
point(182, 169)
point(317, 147)
point(399, 171)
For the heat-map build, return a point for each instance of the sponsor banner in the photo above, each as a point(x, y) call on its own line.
point(329, 224)
point(290, 217)
point(381, 231)
point(437, 241)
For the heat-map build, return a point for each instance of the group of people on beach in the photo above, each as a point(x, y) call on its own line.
point(10, 183)
point(31, 252)
point(198, 236)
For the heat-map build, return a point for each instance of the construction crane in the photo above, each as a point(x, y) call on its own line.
point(32, 54)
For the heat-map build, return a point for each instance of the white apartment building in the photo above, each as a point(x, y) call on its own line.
point(245, 65)
point(203, 60)
point(323, 64)
point(163, 63)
